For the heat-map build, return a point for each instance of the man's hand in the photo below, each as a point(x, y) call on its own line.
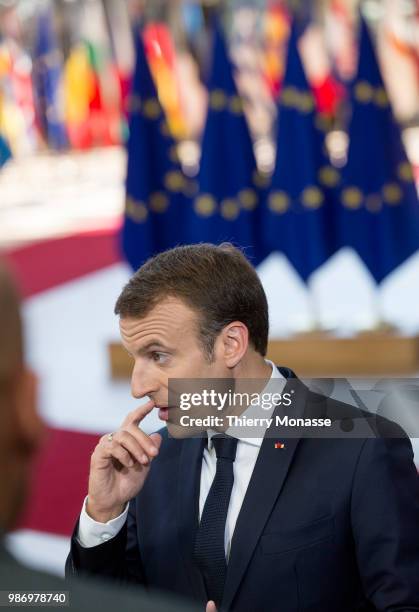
point(119, 467)
point(211, 607)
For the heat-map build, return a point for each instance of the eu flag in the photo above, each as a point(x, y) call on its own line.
point(298, 213)
point(155, 204)
point(379, 211)
point(225, 207)
point(47, 72)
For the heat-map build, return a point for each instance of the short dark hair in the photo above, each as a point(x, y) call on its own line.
point(217, 281)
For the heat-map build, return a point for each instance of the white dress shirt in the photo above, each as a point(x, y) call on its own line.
point(91, 533)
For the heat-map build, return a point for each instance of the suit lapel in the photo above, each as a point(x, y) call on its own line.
point(188, 508)
point(265, 485)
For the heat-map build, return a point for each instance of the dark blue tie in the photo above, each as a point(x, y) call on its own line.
point(209, 553)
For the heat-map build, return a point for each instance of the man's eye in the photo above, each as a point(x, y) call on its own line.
point(158, 357)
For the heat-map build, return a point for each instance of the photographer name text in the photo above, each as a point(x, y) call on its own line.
point(212, 421)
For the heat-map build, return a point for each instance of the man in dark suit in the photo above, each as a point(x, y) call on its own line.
point(21, 433)
point(261, 521)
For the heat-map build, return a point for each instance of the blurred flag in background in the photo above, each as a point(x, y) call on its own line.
point(93, 91)
point(5, 153)
point(161, 55)
point(79, 86)
point(155, 204)
point(298, 213)
point(275, 28)
point(379, 212)
point(17, 111)
point(47, 75)
point(226, 206)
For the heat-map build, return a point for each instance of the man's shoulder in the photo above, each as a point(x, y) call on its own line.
point(353, 419)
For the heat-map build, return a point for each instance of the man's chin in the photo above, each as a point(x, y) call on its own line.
point(178, 431)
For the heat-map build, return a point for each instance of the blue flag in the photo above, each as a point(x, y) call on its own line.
point(5, 153)
point(155, 204)
point(379, 211)
point(226, 206)
point(298, 212)
point(47, 73)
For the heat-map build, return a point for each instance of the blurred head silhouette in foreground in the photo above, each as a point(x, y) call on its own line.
point(21, 428)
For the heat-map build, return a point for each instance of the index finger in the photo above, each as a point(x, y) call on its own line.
point(137, 415)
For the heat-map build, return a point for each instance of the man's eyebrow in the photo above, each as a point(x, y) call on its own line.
point(155, 344)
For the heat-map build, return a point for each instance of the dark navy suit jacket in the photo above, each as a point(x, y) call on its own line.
point(326, 525)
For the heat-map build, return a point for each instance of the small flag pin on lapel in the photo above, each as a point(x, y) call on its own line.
point(279, 445)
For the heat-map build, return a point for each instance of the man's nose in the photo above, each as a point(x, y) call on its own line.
point(143, 382)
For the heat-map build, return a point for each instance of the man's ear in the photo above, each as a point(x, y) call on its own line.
point(235, 337)
point(30, 428)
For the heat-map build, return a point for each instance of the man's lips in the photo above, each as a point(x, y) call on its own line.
point(164, 413)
